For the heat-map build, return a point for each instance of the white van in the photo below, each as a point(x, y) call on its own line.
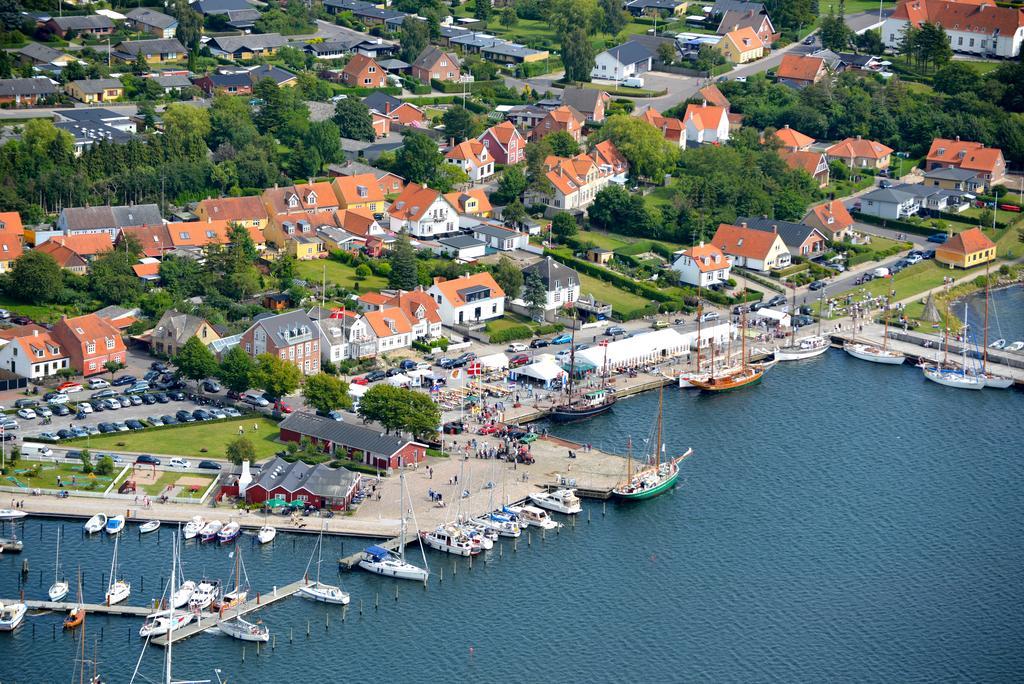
point(633, 82)
point(34, 450)
point(880, 272)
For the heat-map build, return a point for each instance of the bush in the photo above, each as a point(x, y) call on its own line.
point(549, 329)
point(515, 332)
point(427, 347)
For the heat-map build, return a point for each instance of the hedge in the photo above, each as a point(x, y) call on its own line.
point(515, 332)
point(789, 270)
point(771, 285)
point(549, 329)
point(949, 216)
point(902, 226)
point(472, 87)
point(362, 92)
point(426, 347)
point(617, 279)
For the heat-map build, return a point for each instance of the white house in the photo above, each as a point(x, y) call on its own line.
point(706, 123)
point(977, 28)
point(34, 356)
point(561, 282)
point(704, 265)
point(423, 212)
point(576, 181)
point(472, 157)
point(499, 237)
point(461, 247)
point(905, 200)
point(391, 327)
point(757, 250)
point(471, 298)
point(343, 335)
point(622, 61)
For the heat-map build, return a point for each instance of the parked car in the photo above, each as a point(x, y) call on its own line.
point(516, 347)
point(44, 412)
point(216, 413)
point(147, 459)
point(407, 364)
point(168, 419)
point(69, 387)
point(125, 402)
point(25, 403)
point(360, 381)
point(564, 338)
point(84, 407)
point(61, 410)
point(106, 428)
point(184, 416)
point(255, 398)
point(708, 316)
point(938, 238)
point(151, 376)
point(148, 399)
point(8, 424)
point(179, 463)
point(392, 372)
point(454, 427)
point(800, 320)
point(21, 320)
point(211, 386)
point(27, 414)
point(161, 398)
point(209, 465)
point(134, 424)
point(333, 415)
point(374, 376)
point(232, 412)
point(98, 383)
point(103, 394)
point(176, 396)
point(158, 366)
point(463, 359)
point(155, 421)
point(816, 285)
point(282, 406)
point(55, 398)
point(518, 360)
point(124, 380)
point(63, 433)
point(776, 300)
point(912, 259)
point(538, 343)
point(615, 330)
point(202, 414)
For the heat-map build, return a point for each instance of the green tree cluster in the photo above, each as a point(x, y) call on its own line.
point(401, 409)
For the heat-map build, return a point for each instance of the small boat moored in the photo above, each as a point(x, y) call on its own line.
point(151, 526)
point(193, 527)
point(160, 623)
point(115, 524)
point(380, 561)
point(210, 530)
point(559, 501)
point(11, 615)
point(229, 533)
point(266, 534)
point(535, 517)
point(95, 523)
point(11, 514)
point(450, 539)
point(183, 594)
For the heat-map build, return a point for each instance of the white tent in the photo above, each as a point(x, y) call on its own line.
point(651, 347)
point(494, 361)
point(544, 370)
point(400, 380)
point(357, 391)
point(779, 317)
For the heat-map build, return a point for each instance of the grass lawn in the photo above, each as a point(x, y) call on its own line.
point(41, 314)
point(621, 301)
point(169, 478)
point(601, 239)
point(337, 273)
point(47, 478)
point(853, 6)
point(187, 440)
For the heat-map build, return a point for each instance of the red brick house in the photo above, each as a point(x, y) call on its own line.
point(318, 485)
point(290, 336)
point(358, 442)
point(436, 64)
point(364, 72)
point(90, 342)
point(505, 143)
point(563, 118)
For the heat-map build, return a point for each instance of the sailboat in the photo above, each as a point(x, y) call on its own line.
point(163, 621)
point(865, 351)
point(807, 347)
point(949, 376)
point(76, 616)
point(655, 478)
point(592, 403)
point(238, 627)
point(991, 380)
point(59, 588)
point(118, 589)
point(381, 561)
point(747, 374)
point(317, 590)
point(236, 596)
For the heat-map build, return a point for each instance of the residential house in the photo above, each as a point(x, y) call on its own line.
point(713, 96)
point(236, 81)
point(373, 301)
point(344, 335)
point(246, 211)
point(328, 49)
point(832, 218)
point(858, 153)
point(792, 140)
point(65, 257)
point(986, 162)
point(966, 249)
point(90, 342)
point(196, 235)
point(290, 336)
point(81, 25)
point(953, 178)
point(239, 14)
point(362, 191)
point(471, 202)
point(434, 64)
point(394, 109)
point(589, 102)
point(800, 71)
point(499, 237)
point(610, 160)
point(171, 84)
point(576, 181)
point(756, 250)
point(472, 157)
point(155, 51)
point(706, 124)
point(600, 255)
point(741, 46)
point(90, 125)
point(353, 230)
point(344, 439)
point(641, 8)
point(106, 219)
point(504, 52)
point(86, 246)
point(298, 235)
point(390, 327)
point(35, 355)
point(703, 265)
point(526, 116)
point(752, 16)
point(12, 237)
point(814, 163)
point(622, 61)
point(468, 299)
point(93, 90)
point(319, 486)
point(672, 129)
point(800, 239)
point(421, 311)
point(461, 248)
point(977, 27)
point(901, 201)
point(422, 212)
point(26, 91)
point(154, 239)
point(247, 46)
point(310, 198)
point(562, 118)
point(364, 72)
point(152, 22)
point(120, 317)
point(175, 328)
point(561, 283)
point(505, 144)
point(38, 54)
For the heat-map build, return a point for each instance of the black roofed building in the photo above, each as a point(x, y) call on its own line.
point(561, 282)
point(154, 51)
point(800, 240)
point(319, 486)
point(368, 445)
point(91, 24)
point(107, 219)
point(247, 46)
point(622, 61)
point(26, 91)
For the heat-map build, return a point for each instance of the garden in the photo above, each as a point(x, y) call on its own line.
point(196, 440)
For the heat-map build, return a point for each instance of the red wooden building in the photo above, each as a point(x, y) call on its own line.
point(371, 446)
point(316, 485)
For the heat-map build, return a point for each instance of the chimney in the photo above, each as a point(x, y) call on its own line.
point(743, 225)
point(775, 229)
point(387, 108)
point(958, 137)
point(858, 137)
point(35, 333)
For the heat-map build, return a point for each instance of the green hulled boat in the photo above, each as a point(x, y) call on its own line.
point(656, 477)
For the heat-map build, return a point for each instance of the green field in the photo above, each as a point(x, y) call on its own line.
point(622, 302)
point(42, 314)
point(337, 273)
point(188, 440)
point(853, 6)
point(47, 478)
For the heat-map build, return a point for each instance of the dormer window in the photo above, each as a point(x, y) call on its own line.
point(293, 201)
point(110, 342)
point(362, 191)
point(183, 235)
point(90, 348)
point(311, 198)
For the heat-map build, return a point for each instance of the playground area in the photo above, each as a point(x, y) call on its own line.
point(156, 483)
point(67, 476)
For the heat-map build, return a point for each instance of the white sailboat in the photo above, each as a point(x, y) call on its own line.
point(95, 523)
point(503, 524)
point(317, 590)
point(806, 347)
point(181, 597)
point(866, 351)
point(238, 627)
point(11, 514)
point(59, 588)
point(381, 561)
point(162, 622)
point(266, 534)
point(118, 589)
point(991, 380)
point(193, 526)
point(948, 376)
point(560, 501)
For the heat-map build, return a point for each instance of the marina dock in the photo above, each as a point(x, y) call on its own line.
point(350, 561)
point(66, 606)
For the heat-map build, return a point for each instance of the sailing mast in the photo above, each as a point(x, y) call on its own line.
point(700, 314)
point(743, 339)
point(572, 357)
point(629, 459)
point(657, 447)
point(984, 349)
point(401, 498)
point(945, 347)
point(792, 328)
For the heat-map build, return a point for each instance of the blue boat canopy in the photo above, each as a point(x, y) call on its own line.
point(377, 551)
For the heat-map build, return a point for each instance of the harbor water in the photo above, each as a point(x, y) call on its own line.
point(840, 521)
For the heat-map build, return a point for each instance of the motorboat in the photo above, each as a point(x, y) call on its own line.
point(202, 596)
point(1016, 346)
point(317, 590)
point(231, 599)
point(954, 378)
point(806, 348)
point(75, 618)
point(59, 588)
point(229, 533)
point(115, 524)
point(183, 594)
point(210, 530)
point(998, 344)
point(193, 527)
point(450, 539)
point(239, 628)
point(378, 560)
point(158, 624)
point(151, 526)
point(873, 353)
point(11, 545)
point(11, 514)
point(535, 517)
point(559, 501)
point(479, 535)
point(266, 534)
point(11, 615)
point(95, 523)
point(502, 524)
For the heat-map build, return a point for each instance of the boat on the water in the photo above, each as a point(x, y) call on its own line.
point(11, 514)
point(867, 351)
point(243, 630)
point(592, 403)
point(657, 476)
point(501, 523)
point(804, 348)
point(560, 501)
point(151, 526)
point(317, 590)
point(1016, 346)
point(381, 561)
point(76, 616)
point(183, 594)
point(203, 595)
point(11, 615)
point(229, 533)
point(193, 527)
point(117, 589)
point(11, 545)
point(746, 376)
point(266, 534)
point(59, 589)
point(450, 539)
point(210, 530)
point(95, 523)
point(115, 524)
point(998, 344)
point(991, 379)
point(160, 623)
point(946, 374)
point(535, 517)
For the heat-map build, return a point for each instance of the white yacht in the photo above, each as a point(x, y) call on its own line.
point(504, 525)
point(378, 560)
point(873, 353)
point(210, 530)
point(193, 526)
point(266, 534)
point(11, 615)
point(203, 596)
point(59, 588)
point(806, 348)
point(954, 378)
point(321, 591)
point(535, 517)
point(117, 589)
point(160, 623)
point(242, 629)
point(559, 501)
point(183, 594)
point(95, 523)
point(450, 539)
point(11, 514)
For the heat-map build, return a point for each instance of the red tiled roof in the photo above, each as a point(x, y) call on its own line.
point(790, 137)
point(235, 208)
point(744, 242)
point(969, 241)
point(704, 257)
point(358, 189)
point(62, 255)
point(10, 222)
point(413, 202)
point(800, 67)
point(450, 288)
point(388, 322)
point(277, 199)
point(10, 247)
point(807, 160)
point(504, 132)
point(705, 117)
point(144, 270)
point(972, 17)
point(713, 96)
point(859, 147)
point(458, 200)
point(468, 150)
point(411, 302)
point(745, 38)
point(40, 347)
point(85, 244)
point(833, 215)
point(154, 238)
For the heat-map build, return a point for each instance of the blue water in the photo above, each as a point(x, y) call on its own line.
point(840, 522)
point(1005, 315)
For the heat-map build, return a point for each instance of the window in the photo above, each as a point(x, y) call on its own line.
point(248, 348)
point(110, 343)
point(90, 348)
point(971, 43)
point(960, 40)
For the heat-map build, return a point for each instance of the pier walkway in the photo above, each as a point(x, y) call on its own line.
point(66, 606)
point(350, 561)
point(211, 620)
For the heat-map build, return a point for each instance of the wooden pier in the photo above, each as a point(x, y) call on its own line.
point(211, 619)
point(350, 561)
point(66, 606)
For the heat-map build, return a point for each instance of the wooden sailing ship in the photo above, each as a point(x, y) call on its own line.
point(744, 377)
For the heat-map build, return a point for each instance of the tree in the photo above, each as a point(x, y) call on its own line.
point(535, 295)
point(666, 53)
point(448, 177)
point(644, 147)
point(326, 393)
point(140, 65)
point(325, 138)
point(563, 225)
point(275, 376)
point(362, 272)
point(514, 214)
point(398, 408)
point(615, 19)
point(418, 160)
point(111, 278)
point(354, 120)
point(235, 370)
point(195, 361)
point(459, 123)
point(413, 37)
point(610, 204)
point(577, 55)
point(239, 450)
point(508, 276)
point(508, 17)
point(35, 278)
point(566, 16)
point(86, 460)
point(104, 466)
point(190, 24)
point(708, 57)
point(562, 144)
point(112, 367)
point(954, 78)
point(511, 185)
point(870, 42)
point(284, 270)
point(402, 259)
point(482, 10)
point(834, 33)
point(792, 14)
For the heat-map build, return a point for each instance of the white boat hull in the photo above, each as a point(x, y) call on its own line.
point(552, 502)
point(266, 534)
point(181, 596)
point(874, 354)
point(325, 593)
point(160, 624)
point(505, 528)
point(244, 631)
point(210, 530)
point(58, 591)
point(192, 527)
point(954, 379)
point(115, 524)
point(799, 353)
point(439, 544)
point(95, 523)
point(997, 381)
point(11, 514)
point(120, 591)
point(534, 518)
point(395, 568)
point(11, 615)
point(202, 597)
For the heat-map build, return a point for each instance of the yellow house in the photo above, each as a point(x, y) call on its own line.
point(174, 329)
point(305, 247)
point(155, 51)
point(246, 211)
point(741, 46)
point(471, 202)
point(361, 191)
point(93, 90)
point(966, 249)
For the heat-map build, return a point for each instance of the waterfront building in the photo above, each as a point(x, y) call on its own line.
point(966, 249)
point(360, 443)
point(318, 485)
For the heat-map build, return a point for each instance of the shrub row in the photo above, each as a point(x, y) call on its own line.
point(515, 332)
point(770, 284)
point(439, 343)
point(617, 279)
point(902, 226)
point(472, 87)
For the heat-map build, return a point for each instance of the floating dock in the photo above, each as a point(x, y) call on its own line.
point(350, 561)
point(66, 606)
